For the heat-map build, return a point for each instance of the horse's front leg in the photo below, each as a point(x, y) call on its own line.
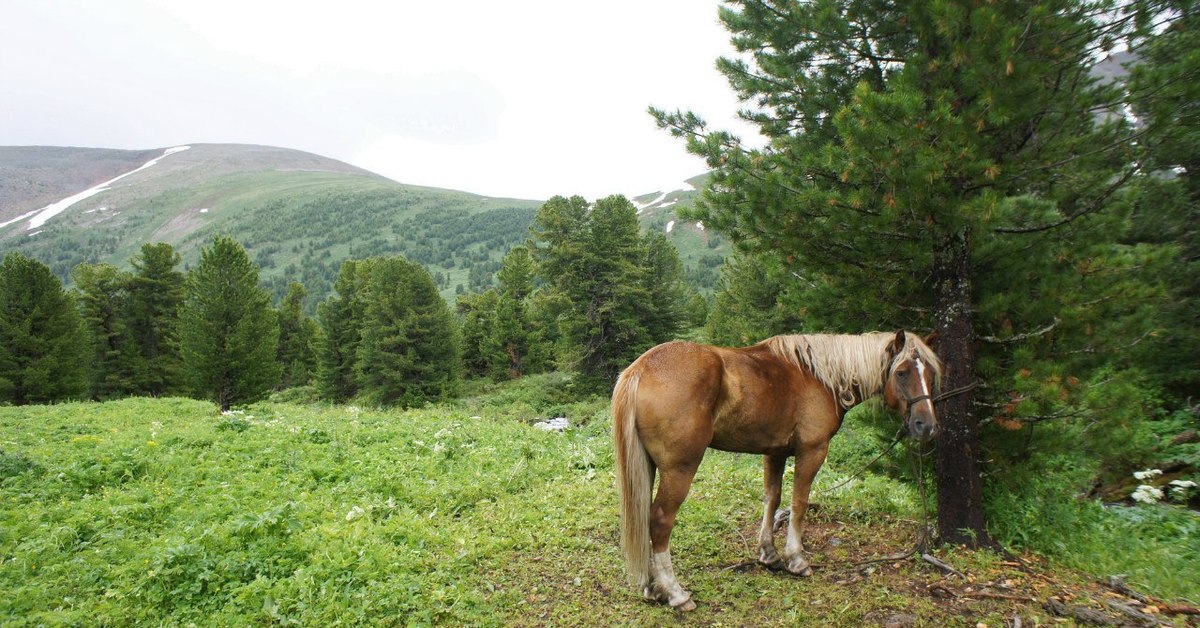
point(773, 467)
point(808, 462)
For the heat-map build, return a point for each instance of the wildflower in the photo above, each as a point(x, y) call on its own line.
point(1147, 494)
point(355, 513)
point(1182, 489)
point(1147, 474)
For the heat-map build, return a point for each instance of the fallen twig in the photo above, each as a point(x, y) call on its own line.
point(932, 560)
point(1178, 609)
point(934, 589)
point(1080, 613)
point(1132, 612)
point(1117, 584)
point(999, 596)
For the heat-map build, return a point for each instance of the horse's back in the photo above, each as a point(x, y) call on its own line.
point(735, 399)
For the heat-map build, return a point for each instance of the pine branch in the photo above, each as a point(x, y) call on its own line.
point(1019, 337)
point(1096, 205)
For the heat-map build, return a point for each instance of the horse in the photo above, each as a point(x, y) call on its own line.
point(785, 396)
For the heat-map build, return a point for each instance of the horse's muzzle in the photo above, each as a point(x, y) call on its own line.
point(921, 429)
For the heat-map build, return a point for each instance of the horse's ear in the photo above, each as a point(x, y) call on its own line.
point(897, 344)
point(931, 338)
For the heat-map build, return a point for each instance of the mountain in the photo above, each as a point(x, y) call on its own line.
point(299, 214)
point(701, 250)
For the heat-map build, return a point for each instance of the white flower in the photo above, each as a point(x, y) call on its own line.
point(1182, 489)
point(1147, 474)
point(355, 513)
point(557, 424)
point(1147, 494)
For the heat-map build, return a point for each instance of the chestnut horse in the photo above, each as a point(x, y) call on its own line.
point(784, 396)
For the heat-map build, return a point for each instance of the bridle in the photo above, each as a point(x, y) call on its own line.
point(910, 401)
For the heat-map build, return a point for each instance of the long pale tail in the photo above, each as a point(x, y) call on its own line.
point(635, 477)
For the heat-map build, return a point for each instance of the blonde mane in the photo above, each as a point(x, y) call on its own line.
point(852, 367)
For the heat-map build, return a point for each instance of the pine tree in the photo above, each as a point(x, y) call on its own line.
point(928, 164)
point(408, 350)
point(297, 335)
point(1166, 204)
point(43, 343)
point(156, 290)
point(229, 333)
point(104, 301)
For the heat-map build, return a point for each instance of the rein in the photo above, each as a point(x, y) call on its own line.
point(921, 546)
point(918, 463)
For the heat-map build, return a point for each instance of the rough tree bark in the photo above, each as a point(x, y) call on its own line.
point(960, 517)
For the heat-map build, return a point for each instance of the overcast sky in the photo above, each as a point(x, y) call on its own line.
point(522, 98)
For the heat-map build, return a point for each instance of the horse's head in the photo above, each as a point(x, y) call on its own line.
point(912, 376)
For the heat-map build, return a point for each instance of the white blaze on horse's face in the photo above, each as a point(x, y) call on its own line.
point(924, 384)
point(922, 420)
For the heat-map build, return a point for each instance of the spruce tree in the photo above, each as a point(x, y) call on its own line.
point(751, 303)
point(476, 313)
point(297, 335)
point(928, 164)
point(43, 343)
point(156, 290)
point(229, 333)
point(104, 302)
point(408, 351)
point(666, 312)
point(511, 336)
point(594, 260)
point(341, 319)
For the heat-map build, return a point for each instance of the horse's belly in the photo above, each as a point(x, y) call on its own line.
point(753, 437)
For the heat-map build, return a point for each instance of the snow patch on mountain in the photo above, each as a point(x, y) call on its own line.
point(38, 217)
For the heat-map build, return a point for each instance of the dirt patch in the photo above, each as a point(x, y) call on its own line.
point(181, 225)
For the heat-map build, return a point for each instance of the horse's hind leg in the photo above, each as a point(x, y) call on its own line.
point(773, 467)
point(673, 486)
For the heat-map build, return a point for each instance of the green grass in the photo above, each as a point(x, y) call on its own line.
point(162, 511)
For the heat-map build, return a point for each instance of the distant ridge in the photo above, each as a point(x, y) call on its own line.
point(299, 214)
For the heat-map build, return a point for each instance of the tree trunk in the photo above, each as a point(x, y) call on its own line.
point(959, 489)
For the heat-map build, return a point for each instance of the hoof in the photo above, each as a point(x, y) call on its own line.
point(770, 560)
point(682, 602)
point(773, 565)
point(685, 606)
point(799, 566)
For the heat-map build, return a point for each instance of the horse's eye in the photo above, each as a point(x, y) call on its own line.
point(903, 373)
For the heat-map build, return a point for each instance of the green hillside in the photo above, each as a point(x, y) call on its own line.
point(300, 215)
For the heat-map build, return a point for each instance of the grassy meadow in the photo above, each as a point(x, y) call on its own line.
point(165, 512)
